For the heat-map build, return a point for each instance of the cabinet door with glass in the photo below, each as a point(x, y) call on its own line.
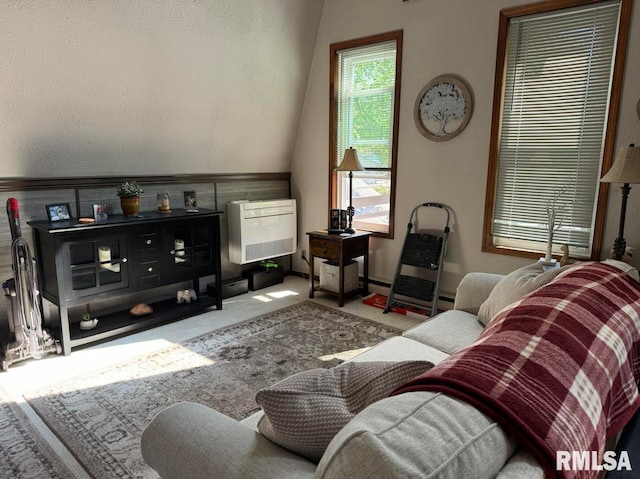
point(191, 248)
point(95, 264)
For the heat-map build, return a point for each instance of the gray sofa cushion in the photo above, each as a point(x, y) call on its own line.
point(449, 331)
point(419, 434)
point(399, 348)
point(515, 286)
point(303, 412)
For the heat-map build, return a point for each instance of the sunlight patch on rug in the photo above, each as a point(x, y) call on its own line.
point(182, 360)
point(344, 355)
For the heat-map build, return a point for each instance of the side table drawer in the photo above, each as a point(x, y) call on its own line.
point(323, 248)
point(357, 247)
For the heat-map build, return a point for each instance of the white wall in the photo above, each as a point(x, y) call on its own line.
point(456, 36)
point(90, 88)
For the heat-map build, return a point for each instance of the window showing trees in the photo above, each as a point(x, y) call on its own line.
point(364, 108)
point(557, 88)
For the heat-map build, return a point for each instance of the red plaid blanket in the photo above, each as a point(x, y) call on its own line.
point(557, 370)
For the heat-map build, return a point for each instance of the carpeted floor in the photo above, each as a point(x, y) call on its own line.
point(101, 416)
point(24, 452)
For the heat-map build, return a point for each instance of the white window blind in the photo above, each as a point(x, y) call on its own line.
point(365, 113)
point(556, 95)
point(365, 103)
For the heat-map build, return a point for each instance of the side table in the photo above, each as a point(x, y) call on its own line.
point(341, 249)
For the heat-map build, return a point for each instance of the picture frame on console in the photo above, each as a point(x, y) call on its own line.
point(58, 212)
point(100, 212)
point(190, 204)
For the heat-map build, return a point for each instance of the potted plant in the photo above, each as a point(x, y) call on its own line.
point(130, 193)
point(86, 322)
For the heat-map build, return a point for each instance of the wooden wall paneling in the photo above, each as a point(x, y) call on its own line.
point(251, 191)
point(105, 195)
point(205, 194)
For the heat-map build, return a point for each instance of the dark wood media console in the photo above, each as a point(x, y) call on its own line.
point(80, 264)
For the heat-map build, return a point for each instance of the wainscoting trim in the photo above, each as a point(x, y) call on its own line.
point(22, 184)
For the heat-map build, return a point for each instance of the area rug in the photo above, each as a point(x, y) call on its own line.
point(100, 417)
point(24, 453)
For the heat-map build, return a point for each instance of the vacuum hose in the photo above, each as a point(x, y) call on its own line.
point(29, 314)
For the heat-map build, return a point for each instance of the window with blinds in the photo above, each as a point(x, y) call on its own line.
point(364, 108)
point(556, 91)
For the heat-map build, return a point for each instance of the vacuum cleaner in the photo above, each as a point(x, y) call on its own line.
point(27, 338)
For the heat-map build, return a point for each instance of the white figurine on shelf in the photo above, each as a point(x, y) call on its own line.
point(186, 295)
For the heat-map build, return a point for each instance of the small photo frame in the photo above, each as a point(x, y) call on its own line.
point(59, 212)
point(189, 200)
point(100, 213)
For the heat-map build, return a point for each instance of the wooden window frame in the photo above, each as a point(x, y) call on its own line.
point(396, 35)
point(609, 139)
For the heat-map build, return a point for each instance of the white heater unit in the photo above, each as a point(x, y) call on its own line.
point(261, 230)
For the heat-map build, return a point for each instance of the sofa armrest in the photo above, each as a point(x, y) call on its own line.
point(192, 440)
point(474, 289)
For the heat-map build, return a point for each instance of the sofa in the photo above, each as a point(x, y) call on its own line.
point(421, 434)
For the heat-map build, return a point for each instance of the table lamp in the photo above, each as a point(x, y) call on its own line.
point(625, 170)
point(350, 163)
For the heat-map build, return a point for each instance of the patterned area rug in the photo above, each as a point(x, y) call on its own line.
point(24, 453)
point(100, 417)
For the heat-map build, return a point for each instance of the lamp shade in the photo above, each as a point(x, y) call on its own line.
point(350, 161)
point(626, 168)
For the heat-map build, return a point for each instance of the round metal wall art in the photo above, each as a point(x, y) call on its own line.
point(443, 108)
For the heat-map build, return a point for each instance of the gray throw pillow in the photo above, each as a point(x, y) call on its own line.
point(515, 286)
point(303, 412)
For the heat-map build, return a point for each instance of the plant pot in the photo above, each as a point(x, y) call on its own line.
point(90, 324)
point(130, 206)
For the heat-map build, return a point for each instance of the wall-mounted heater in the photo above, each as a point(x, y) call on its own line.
point(261, 229)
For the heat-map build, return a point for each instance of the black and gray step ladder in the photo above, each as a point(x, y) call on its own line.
point(424, 249)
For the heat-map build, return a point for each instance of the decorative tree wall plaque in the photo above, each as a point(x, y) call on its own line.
point(443, 108)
